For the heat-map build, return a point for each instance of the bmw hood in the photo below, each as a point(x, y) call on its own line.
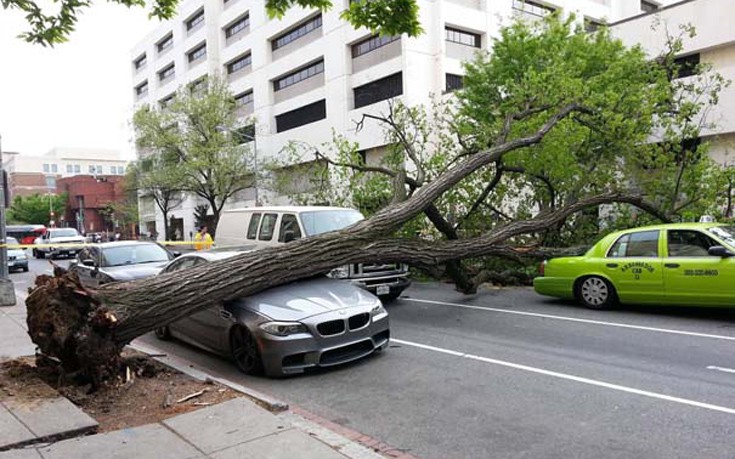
point(302, 299)
point(133, 272)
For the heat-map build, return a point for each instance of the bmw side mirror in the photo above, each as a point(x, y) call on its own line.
point(176, 254)
point(719, 251)
point(88, 262)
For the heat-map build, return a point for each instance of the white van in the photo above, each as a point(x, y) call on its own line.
point(269, 226)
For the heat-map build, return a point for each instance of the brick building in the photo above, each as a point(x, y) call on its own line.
point(89, 196)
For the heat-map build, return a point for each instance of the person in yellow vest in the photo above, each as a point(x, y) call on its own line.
point(202, 239)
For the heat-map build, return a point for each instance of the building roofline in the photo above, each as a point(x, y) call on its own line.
point(638, 16)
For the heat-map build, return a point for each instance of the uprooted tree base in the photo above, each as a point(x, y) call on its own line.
point(67, 323)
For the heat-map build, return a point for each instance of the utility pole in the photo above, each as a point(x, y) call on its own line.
point(7, 290)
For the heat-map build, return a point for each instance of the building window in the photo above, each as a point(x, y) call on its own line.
point(167, 73)
point(372, 43)
point(648, 7)
point(54, 168)
point(195, 20)
point(454, 82)
point(69, 168)
point(244, 134)
point(77, 169)
point(591, 25)
point(47, 168)
point(165, 43)
point(50, 181)
point(91, 169)
point(244, 98)
point(687, 65)
point(297, 32)
point(301, 116)
point(298, 76)
point(237, 26)
point(462, 37)
point(195, 87)
point(382, 89)
point(140, 62)
point(166, 101)
point(120, 170)
point(531, 9)
point(142, 89)
point(239, 63)
point(200, 52)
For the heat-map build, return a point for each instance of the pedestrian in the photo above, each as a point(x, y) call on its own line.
point(202, 239)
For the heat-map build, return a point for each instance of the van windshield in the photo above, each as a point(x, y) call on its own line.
point(323, 221)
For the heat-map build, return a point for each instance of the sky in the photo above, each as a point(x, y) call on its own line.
point(77, 94)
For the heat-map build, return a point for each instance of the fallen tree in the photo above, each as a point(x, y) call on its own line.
point(581, 126)
point(86, 329)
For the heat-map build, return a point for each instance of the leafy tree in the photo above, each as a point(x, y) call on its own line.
point(49, 28)
point(195, 148)
point(35, 209)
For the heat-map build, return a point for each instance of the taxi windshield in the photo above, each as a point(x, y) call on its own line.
point(726, 233)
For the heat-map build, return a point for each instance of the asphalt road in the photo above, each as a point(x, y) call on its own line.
point(508, 374)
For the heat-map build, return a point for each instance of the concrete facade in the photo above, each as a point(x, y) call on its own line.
point(423, 61)
point(715, 44)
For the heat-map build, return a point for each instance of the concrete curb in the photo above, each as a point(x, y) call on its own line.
point(271, 404)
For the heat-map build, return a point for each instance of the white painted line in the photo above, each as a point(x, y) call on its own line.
point(592, 382)
point(726, 370)
point(574, 319)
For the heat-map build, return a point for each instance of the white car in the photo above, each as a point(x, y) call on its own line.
point(59, 242)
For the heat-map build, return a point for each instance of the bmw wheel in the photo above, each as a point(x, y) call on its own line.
point(244, 349)
point(596, 293)
point(162, 333)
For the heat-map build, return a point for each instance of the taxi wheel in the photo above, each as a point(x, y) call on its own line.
point(245, 352)
point(596, 293)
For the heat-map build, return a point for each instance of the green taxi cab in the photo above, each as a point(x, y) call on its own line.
point(687, 264)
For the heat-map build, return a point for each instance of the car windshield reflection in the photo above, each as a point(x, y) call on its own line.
point(726, 233)
point(324, 221)
point(133, 255)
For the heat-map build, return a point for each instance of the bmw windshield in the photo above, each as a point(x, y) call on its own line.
point(324, 221)
point(726, 233)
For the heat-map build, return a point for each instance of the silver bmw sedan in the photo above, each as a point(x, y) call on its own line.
point(318, 322)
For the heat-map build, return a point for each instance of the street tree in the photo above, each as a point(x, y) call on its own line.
point(194, 147)
point(37, 208)
point(515, 109)
point(52, 25)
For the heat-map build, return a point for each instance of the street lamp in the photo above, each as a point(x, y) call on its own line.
point(7, 291)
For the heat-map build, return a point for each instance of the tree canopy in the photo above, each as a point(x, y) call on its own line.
point(52, 25)
point(36, 209)
point(196, 144)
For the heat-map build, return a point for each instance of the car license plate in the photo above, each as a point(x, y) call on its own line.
point(383, 290)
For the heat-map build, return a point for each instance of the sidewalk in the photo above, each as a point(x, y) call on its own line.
point(54, 428)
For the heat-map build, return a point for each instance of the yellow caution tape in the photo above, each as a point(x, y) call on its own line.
point(62, 245)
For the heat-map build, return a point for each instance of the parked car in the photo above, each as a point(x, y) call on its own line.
point(319, 322)
point(25, 234)
point(689, 264)
point(270, 226)
point(17, 258)
point(58, 242)
point(119, 262)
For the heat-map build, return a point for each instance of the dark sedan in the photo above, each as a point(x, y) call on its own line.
point(317, 322)
point(119, 262)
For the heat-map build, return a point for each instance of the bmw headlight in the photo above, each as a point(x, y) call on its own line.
point(283, 328)
point(342, 272)
point(378, 312)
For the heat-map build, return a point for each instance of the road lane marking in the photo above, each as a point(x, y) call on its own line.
point(574, 319)
point(555, 374)
point(726, 370)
